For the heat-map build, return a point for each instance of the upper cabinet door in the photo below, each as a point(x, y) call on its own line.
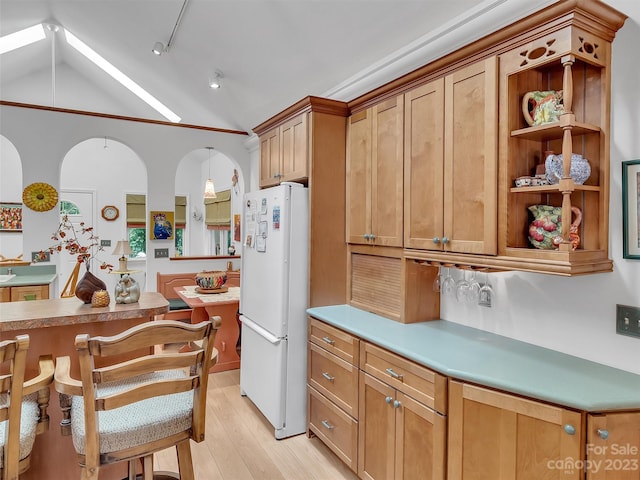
point(295, 147)
point(424, 166)
point(387, 172)
point(375, 175)
point(270, 158)
point(358, 177)
point(470, 158)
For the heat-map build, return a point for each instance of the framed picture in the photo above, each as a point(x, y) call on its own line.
point(161, 225)
point(10, 217)
point(631, 209)
point(236, 227)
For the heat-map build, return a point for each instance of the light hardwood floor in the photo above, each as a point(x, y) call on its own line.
point(239, 443)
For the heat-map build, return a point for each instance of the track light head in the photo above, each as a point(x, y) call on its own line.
point(158, 48)
point(216, 82)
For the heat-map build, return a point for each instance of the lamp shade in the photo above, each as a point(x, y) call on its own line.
point(122, 248)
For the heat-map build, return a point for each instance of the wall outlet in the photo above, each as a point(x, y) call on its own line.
point(105, 243)
point(161, 253)
point(628, 320)
point(35, 257)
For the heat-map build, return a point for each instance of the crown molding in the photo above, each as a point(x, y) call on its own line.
point(487, 17)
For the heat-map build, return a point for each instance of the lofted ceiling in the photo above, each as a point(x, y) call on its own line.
point(272, 53)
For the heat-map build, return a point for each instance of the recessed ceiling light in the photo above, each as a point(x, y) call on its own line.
point(21, 38)
point(96, 58)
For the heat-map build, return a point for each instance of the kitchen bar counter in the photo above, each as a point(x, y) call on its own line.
point(71, 311)
point(492, 360)
point(52, 326)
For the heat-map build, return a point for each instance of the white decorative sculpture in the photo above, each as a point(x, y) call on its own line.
point(127, 290)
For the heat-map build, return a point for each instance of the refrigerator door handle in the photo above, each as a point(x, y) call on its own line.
point(260, 331)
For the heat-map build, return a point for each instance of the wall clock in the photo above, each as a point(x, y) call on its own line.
point(110, 213)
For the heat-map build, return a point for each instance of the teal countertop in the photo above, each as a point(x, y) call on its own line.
point(29, 275)
point(492, 360)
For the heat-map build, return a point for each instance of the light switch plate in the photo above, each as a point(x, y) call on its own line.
point(105, 243)
point(628, 320)
point(161, 253)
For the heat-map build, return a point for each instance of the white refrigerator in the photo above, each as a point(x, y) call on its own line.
point(273, 303)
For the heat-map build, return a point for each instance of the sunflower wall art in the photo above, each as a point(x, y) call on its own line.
point(40, 197)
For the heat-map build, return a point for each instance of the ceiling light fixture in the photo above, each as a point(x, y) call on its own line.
point(21, 38)
point(209, 191)
point(158, 47)
point(217, 80)
point(96, 58)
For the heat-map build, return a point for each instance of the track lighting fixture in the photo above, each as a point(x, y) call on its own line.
point(158, 48)
point(217, 80)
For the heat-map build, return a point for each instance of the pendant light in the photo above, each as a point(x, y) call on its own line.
point(209, 191)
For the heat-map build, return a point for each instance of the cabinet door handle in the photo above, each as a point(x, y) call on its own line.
point(436, 240)
point(602, 433)
point(445, 240)
point(327, 425)
point(388, 399)
point(328, 340)
point(570, 429)
point(328, 377)
point(395, 375)
point(396, 404)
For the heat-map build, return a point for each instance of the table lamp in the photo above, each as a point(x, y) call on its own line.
point(122, 248)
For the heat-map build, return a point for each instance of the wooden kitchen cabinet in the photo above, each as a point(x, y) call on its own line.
point(22, 293)
point(498, 436)
point(613, 446)
point(375, 175)
point(332, 399)
point(451, 162)
point(284, 152)
point(270, 158)
point(576, 60)
point(400, 437)
point(306, 143)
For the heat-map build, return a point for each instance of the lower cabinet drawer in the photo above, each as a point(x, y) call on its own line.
point(334, 427)
point(334, 378)
point(5, 294)
point(421, 383)
point(32, 292)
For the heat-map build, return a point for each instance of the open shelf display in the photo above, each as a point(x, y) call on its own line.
point(580, 130)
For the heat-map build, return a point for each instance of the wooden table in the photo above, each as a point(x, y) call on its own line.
point(225, 305)
point(52, 326)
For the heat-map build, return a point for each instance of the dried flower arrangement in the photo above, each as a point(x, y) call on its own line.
point(69, 239)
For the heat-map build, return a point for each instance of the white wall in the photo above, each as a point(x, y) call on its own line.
point(44, 138)
point(577, 315)
point(10, 191)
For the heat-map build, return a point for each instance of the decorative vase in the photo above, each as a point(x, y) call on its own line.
point(545, 232)
point(540, 107)
point(88, 284)
point(580, 168)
